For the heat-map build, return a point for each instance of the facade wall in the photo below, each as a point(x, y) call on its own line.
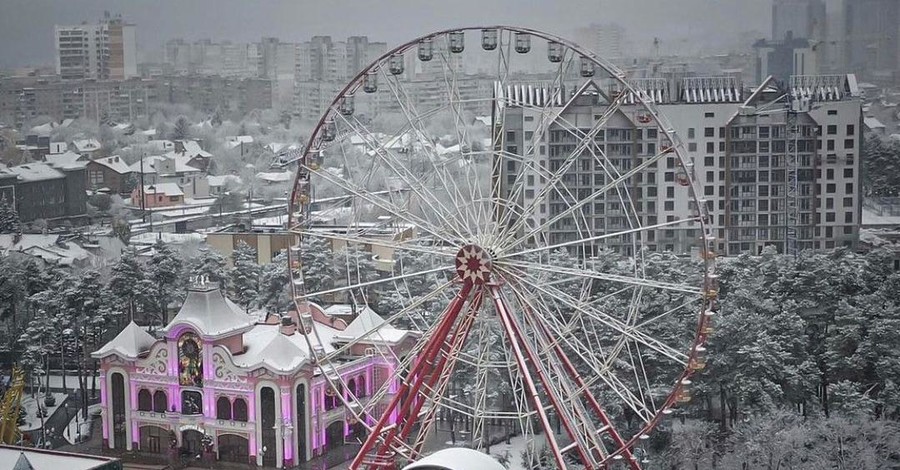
point(224, 383)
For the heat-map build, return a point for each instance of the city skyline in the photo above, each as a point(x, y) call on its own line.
point(26, 22)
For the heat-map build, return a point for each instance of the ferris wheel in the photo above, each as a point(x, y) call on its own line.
point(489, 200)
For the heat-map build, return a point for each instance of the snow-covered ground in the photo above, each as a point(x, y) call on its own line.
point(79, 427)
point(30, 405)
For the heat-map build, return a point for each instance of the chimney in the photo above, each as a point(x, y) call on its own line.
point(288, 327)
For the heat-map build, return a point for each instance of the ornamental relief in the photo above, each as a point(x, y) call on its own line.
point(224, 371)
point(156, 362)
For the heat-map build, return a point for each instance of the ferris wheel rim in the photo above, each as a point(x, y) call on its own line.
point(315, 141)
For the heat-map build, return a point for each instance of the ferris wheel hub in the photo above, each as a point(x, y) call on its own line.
point(473, 264)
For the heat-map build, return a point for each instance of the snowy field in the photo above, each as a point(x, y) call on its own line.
point(30, 405)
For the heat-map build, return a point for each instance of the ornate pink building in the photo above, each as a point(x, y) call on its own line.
point(249, 390)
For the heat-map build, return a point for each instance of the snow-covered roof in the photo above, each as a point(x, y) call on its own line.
point(456, 458)
point(280, 177)
point(20, 458)
point(247, 139)
point(212, 315)
point(218, 181)
point(43, 129)
point(873, 123)
point(63, 159)
point(129, 343)
point(161, 144)
point(46, 247)
point(277, 147)
point(87, 145)
point(36, 172)
point(369, 325)
point(115, 163)
point(169, 189)
point(267, 347)
point(192, 149)
point(151, 163)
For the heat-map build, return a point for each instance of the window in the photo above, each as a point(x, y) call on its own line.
point(96, 177)
point(510, 135)
point(829, 203)
point(529, 118)
point(670, 176)
point(223, 408)
point(692, 146)
point(691, 133)
point(670, 192)
point(709, 115)
point(710, 176)
point(651, 133)
point(848, 202)
point(529, 135)
point(848, 143)
point(832, 129)
point(709, 190)
point(851, 129)
point(829, 217)
point(669, 206)
point(239, 410)
point(145, 400)
point(848, 188)
point(160, 401)
point(830, 188)
point(191, 402)
point(709, 132)
point(848, 217)
point(848, 172)
point(832, 112)
point(830, 145)
point(710, 147)
point(829, 173)
point(709, 161)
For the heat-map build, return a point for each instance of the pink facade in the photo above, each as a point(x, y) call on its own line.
point(217, 373)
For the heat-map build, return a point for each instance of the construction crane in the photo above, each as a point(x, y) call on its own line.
point(10, 409)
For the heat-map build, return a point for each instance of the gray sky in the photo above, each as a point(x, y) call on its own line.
point(26, 26)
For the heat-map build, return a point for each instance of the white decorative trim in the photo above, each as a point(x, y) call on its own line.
point(156, 363)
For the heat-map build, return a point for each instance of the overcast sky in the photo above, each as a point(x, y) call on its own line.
point(26, 26)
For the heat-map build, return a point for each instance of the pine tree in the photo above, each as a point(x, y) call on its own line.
point(9, 218)
point(245, 274)
point(274, 284)
point(210, 265)
point(124, 284)
point(182, 129)
point(163, 276)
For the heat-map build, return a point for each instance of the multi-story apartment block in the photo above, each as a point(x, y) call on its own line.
point(101, 51)
point(741, 150)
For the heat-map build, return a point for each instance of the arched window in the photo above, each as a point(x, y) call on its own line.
point(223, 408)
point(351, 388)
point(190, 361)
point(145, 401)
point(361, 386)
point(239, 410)
point(160, 401)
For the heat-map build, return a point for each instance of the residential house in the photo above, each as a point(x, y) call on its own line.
point(42, 191)
point(67, 158)
point(196, 156)
point(158, 195)
point(87, 147)
point(111, 173)
point(219, 184)
point(172, 168)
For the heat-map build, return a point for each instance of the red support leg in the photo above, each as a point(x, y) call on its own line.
point(592, 400)
point(448, 319)
point(513, 336)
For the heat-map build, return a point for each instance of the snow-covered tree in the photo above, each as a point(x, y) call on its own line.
point(9, 217)
point(125, 280)
point(182, 129)
point(163, 278)
point(210, 265)
point(244, 276)
point(274, 284)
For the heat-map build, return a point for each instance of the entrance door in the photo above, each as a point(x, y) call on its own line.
point(191, 442)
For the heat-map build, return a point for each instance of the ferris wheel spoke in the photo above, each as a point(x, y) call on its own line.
point(408, 109)
point(508, 256)
point(604, 374)
point(384, 205)
point(414, 184)
point(565, 165)
point(374, 282)
point(547, 117)
point(615, 324)
point(599, 194)
point(376, 242)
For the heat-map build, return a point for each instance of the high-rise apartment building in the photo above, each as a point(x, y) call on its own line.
point(805, 19)
point(871, 35)
point(739, 143)
point(102, 51)
point(607, 40)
